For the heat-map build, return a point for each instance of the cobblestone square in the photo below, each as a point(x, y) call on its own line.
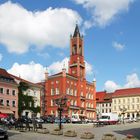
point(120, 131)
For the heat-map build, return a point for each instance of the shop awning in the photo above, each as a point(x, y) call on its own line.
point(6, 111)
point(3, 115)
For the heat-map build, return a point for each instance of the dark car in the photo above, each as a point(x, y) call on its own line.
point(68, 120)
point(3, 134)
point(48, 119)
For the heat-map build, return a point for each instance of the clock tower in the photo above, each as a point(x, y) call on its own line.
point(76, 63)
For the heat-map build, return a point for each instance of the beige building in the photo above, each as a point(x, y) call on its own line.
point(126, 102)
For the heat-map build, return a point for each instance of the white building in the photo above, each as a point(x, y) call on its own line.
point(34, 90)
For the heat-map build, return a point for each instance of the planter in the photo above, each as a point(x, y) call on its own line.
point(87, 135)
point(109, 137)
point(57, 131)
point(70, 133)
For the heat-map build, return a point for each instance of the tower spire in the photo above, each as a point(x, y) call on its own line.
point(76, 31)
point(76, 63)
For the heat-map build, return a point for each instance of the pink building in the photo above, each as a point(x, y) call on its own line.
point(8, 94)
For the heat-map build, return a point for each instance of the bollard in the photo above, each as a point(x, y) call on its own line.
point(57, 131)
point(109, 137)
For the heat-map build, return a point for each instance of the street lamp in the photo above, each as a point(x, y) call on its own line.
point(61, 103)
point(123, 110)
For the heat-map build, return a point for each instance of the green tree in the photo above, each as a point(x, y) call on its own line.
point(25, 102)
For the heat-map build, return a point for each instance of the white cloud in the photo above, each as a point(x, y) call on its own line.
point(104, 11)
point(57, 66)
point(89, 68)
point(32, 72)
point(1, 56)
point(118, 46)
point(132, 81)
point(20, 28)
point(110, 86)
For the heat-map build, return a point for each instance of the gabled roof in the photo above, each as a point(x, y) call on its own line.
point(126, 92)
point(103, 97)
point(60, 74)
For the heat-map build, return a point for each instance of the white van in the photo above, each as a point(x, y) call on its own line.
point(109, 118)
point(77, 118)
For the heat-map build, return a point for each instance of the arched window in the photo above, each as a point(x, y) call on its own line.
point(74, 49)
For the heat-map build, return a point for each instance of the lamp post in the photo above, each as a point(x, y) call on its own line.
point(61, 103)
point(123, 110)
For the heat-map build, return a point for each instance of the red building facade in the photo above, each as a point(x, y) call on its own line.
point(73, 85)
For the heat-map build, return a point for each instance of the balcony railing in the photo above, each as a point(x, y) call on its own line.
point(74, 107)
point(82, 97)
point(90, 109)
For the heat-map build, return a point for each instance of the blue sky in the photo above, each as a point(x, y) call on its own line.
point(35, 34)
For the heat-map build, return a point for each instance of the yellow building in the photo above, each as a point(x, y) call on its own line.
point(126, 102)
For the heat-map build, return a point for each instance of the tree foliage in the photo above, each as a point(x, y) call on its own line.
point(25, 102)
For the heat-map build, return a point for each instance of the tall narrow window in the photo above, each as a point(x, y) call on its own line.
point(68, 91)
point(57, 91)
point(13, 92)
point(1, 90)
point(52, 91)
point(7, 91)
point(1, 102)
point(7, 103)
point(13, 103)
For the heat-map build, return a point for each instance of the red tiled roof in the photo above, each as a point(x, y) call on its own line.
point(103, 97)
point(126, 92)
point(4, 73)
point(60, 73)
point(22, 80)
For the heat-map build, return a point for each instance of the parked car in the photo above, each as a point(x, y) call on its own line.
point(39, 120)
point(3, 134)
point(57, 120)
point(68, 120)
point(48, 119)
